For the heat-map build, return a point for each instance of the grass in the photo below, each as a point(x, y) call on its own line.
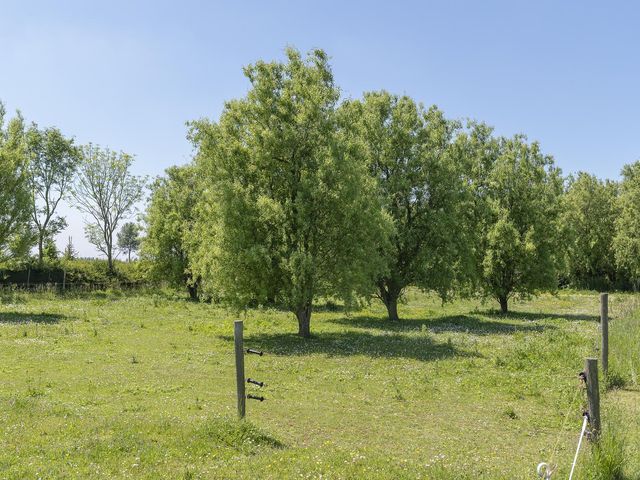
point(608, 455)
point(114, 386)
point(625, 335)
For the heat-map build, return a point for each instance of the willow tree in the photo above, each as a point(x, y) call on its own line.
point(169, 220)
point(15, 235)
point(588, 221)
point(408, 154)
point(626, 242)
point(288, 211)
point(520, 191)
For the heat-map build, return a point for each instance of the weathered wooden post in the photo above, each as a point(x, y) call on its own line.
point(593, 394)
point(64, 280)
point(238, 340)
point(604, 327)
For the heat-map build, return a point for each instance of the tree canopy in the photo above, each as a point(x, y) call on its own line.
point(626, 243)
point(15, 234)
point(128, 239)
point(588, 224)
point(107, 192)
point(291, 215)
point(520, 247)
point(408, 153)
point(170, 219)
point(53, 160)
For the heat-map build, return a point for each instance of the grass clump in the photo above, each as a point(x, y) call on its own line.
point(607, 458)
point(239, 435)
point(614, 380)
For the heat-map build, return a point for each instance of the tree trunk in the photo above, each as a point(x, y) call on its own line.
point(110, 259)
point(40, 248)
point(504, 303)
point(303, 314)
point(392, 307)
point(390, 298)
point(193, 292)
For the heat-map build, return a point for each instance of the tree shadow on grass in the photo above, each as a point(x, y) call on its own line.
point(473, 324)
point(13, 317)
point(340, 344)
point(532, 316)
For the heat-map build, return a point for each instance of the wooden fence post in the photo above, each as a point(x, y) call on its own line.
point(593, 394)
point(238, 340)
point(604, 327)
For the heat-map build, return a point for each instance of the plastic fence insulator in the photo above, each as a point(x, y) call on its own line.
point(254, 397)
point(255, 352)
point(545, 470)
point(255, 382)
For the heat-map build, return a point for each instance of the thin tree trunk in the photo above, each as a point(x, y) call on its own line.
point(110, 259)
point(40, 248)
point(504, 303)
point(303, 314)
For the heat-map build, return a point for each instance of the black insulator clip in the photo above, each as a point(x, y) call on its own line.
point(583, 376)
point(255, 382)
point(586, 414)
point(253, 397)
point(255, 352)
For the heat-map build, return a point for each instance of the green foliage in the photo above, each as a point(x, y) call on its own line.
point(170, 217)
point(84, 272)
point(53, 160)
point(15, 235)
point(50, 250)
point(519, 192)
point(129, 239)
point(408, 151)
point(626, 243)
point(289, 212)
point(588, 218)
point(70, 252)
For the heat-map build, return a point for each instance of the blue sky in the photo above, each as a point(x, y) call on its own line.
point(129, 74)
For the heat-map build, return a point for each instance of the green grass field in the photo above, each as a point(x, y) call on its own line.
point(113, 386)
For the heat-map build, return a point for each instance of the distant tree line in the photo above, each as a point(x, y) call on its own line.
point(41, 167)
point(295, 195)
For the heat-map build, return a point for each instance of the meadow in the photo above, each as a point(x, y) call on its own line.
point(113, 385)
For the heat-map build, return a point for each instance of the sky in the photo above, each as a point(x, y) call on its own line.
point(130, 74)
